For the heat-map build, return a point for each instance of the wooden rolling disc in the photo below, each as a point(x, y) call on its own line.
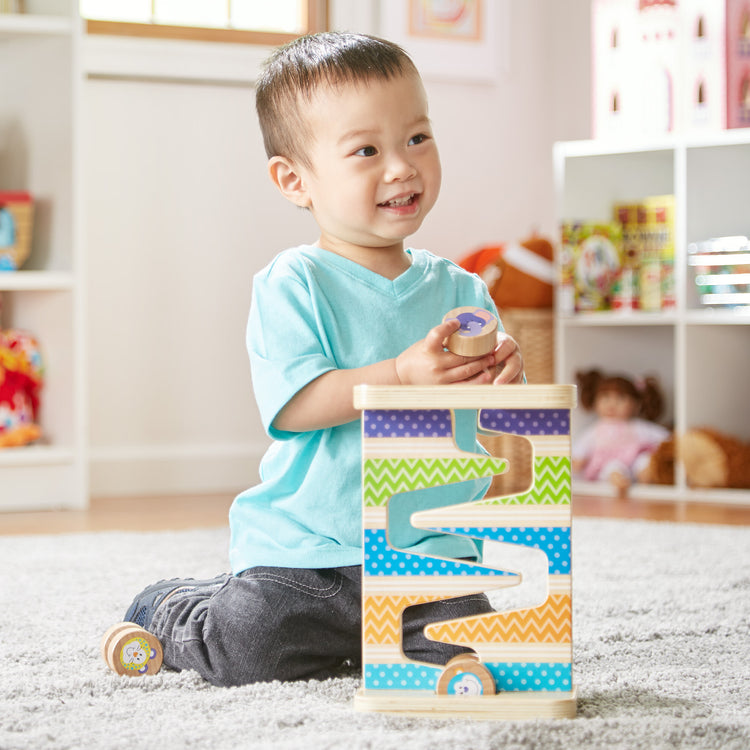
point(465, 675)
point(130, 650)
point(477, 335)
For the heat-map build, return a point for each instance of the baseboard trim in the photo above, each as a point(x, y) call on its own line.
point(171, 469)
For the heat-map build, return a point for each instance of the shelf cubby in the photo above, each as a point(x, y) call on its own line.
point(701, 354)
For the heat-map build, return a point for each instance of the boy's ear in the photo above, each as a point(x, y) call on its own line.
point(287, 177)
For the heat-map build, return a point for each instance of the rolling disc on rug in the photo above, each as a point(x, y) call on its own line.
point(130, 650)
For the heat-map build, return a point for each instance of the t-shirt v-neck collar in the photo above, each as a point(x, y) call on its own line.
point(390, 287)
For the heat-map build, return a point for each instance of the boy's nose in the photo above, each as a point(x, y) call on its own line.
point(399, 168)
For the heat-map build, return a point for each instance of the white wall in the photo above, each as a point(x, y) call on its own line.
point(180, 215)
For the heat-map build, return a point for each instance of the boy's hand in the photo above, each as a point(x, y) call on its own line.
point(428, 362)
point(508, 361)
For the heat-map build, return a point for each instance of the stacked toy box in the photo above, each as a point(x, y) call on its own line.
point(626, 264)
point(721, 271)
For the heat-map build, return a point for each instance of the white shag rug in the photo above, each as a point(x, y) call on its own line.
point(661, 644)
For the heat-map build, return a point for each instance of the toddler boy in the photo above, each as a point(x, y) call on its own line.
point(346, 129)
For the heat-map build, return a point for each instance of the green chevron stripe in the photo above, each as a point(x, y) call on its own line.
point(551, 487)
point(385, 477)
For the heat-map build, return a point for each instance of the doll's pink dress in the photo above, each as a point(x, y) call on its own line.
point(617, 445)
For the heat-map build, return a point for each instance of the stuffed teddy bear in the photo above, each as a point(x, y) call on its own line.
point(711, 459)
point(714, 459)
point(617, 447)
point(660, 468)
point(21, 378)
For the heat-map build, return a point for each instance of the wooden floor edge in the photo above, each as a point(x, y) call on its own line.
point(515, 706)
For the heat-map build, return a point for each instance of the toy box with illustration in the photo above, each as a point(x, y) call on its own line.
point(591, 260)
point(647, 278)
point(626, 290)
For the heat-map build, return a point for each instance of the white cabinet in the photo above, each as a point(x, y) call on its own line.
point(40, 82)
point(701, 355)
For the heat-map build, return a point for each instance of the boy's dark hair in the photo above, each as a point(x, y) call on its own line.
point(295, 71)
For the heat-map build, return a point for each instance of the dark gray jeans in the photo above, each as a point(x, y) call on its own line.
point(287, 624)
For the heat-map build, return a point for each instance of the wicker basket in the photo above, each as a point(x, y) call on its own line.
point(15, 229)
point(534, 330)
point(519, 453)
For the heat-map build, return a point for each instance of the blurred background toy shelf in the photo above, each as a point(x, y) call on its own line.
point(700, 352)
point(42, 294)
point(652, 253)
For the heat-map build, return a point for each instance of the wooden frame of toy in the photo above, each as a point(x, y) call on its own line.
point(522, 661)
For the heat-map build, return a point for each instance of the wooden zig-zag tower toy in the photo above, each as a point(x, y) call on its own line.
point(522, 661)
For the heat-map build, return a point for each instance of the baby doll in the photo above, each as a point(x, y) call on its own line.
point(617, 447)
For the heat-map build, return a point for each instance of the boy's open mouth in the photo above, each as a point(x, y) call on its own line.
point(404, 200)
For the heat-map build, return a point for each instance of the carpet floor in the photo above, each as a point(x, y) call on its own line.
point(661, 653)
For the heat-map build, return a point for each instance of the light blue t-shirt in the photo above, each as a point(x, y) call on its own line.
point(314, 311)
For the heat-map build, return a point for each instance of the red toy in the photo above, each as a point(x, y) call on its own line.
point(21, 379)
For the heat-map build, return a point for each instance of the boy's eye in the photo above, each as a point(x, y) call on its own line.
point(415, 140)
point(366, 151)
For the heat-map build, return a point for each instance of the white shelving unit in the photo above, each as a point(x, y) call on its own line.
point(701, 356)
point(40, 86)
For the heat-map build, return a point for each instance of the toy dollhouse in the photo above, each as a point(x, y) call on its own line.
point(663, 66)
point(738, 64)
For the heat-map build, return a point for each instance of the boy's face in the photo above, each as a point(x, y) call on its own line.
point(374, 168)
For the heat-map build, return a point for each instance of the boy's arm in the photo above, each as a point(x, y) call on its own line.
point(327, 400)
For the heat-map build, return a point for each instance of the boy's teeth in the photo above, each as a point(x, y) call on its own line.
point(400, 201)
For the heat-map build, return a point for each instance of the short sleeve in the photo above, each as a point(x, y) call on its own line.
point(284, 342)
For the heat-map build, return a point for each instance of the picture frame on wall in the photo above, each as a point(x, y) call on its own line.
point(452, 40)
point(12, 6)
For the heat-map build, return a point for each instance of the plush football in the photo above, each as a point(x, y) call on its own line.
point(517, 274)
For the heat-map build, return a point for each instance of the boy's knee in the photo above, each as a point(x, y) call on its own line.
point(278, 650)
point(269, 626)
point(242, 643)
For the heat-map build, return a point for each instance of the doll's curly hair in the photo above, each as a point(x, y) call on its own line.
point(645, 391)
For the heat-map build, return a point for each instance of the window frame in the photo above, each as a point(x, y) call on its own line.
point(317, 20)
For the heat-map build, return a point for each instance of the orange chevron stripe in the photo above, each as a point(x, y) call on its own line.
point(382, 616)
point(550, 623)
